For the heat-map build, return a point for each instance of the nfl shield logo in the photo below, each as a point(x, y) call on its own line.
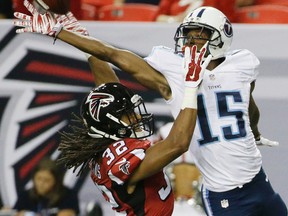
point(224, 203)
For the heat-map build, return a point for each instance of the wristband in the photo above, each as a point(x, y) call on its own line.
point(87, 55)
point(56, 30)
point(190, 98)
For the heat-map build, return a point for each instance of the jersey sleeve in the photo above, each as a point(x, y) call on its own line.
point(247, 63)
point(169, 64)
point(124, 165)
point(161, 58)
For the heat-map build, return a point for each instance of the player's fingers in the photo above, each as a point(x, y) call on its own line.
point(57, 16)
point(22, 16)
point(22, 23)
point(193, 53)
point(63, 19)
point(22, 30)
point(187, 58)
point(29, 7)
point(187, 54)
point(274, 143)
point(202, 53)
point(18, 31)
point(70, 15)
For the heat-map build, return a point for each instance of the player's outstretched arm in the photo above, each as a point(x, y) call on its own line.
point(64, 27)
point(125, 60)
point(51, 24)
point(178, 140)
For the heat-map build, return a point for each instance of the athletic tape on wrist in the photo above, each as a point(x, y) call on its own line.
point(57, 29)
point(190, 98)
point(87, 55)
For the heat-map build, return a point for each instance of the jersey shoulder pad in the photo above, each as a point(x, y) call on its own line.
point(161, 58)
point(245, 57)
point(128, 159)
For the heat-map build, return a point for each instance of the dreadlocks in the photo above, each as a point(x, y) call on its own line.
point(78, 148)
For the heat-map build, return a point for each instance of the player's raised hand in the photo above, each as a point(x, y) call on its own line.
point(266, 142)
point(70, 23)
point(38, 23)
point(195, 65)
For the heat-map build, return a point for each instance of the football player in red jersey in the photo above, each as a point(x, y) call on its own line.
point(110, 138)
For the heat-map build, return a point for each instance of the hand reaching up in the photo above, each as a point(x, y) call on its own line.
point(38, 23)
point(194, 65)
point(48, 23)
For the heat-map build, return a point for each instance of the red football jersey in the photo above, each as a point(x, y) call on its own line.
point(152, 196)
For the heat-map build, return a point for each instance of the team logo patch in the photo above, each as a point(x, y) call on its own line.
point(224, 203)
point(212, 77)
point(96, 102)
point(228, 30)
point(124, 166)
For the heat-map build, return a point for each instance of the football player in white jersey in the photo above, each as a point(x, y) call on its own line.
point(226, 134)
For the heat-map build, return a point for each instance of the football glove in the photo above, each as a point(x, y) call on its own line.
point(70, 23)
point(266, 142)
point(38, 23)
point(194, 65)
point(48, 23)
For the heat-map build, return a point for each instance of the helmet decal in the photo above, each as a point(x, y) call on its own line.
point(201, 12)
point(96, 102)
point(228, 30)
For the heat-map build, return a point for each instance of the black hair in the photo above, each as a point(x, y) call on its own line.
point(78, 148)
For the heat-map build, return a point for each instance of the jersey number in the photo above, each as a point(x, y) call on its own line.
point(223, 111)
point(120, 148)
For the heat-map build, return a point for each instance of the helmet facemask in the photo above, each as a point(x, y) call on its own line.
point(142, 124)
point(181, 38)
point(135, 121)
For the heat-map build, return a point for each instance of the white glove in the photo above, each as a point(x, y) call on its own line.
point(194, 68)
point(70, 23)
point(48, 23)
point(38, 23)
point(193, 65)
point(266, 142)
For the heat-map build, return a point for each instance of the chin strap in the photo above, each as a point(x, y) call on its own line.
point(101, 134)
point(141, 134)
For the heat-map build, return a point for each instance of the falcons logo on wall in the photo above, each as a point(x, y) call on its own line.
point(40, 86)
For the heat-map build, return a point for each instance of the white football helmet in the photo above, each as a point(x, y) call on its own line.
point(211, 19)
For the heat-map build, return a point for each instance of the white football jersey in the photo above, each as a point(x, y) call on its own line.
point(223, 144)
